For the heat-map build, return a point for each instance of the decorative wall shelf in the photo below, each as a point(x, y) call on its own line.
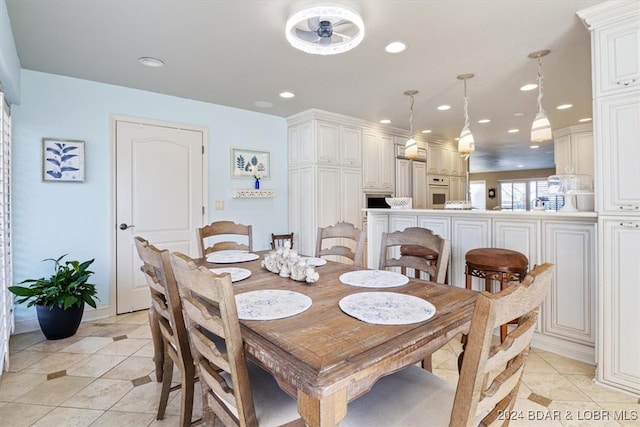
point(253, 194)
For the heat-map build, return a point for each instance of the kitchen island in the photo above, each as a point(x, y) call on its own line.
point(567, 324)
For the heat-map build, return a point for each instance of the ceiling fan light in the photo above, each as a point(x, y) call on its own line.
point(411, 149)
point(541, 128)
point(466, 144)
point(330, 14)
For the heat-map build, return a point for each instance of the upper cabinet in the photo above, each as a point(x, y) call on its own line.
point(378, 172)
point(620, 67)
point(439, 159)
point(573, 146)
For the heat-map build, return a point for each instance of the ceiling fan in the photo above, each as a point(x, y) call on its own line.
point(325, 30)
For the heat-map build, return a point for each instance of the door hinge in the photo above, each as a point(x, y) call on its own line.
point(203, 149)
point(203, 210)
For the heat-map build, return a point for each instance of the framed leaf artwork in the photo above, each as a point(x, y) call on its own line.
point(245, 163)
point(62, 160)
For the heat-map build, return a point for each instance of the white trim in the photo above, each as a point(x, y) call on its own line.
point(583, 353)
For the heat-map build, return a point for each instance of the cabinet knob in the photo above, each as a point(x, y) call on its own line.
point(626, 82)
point(629, 208)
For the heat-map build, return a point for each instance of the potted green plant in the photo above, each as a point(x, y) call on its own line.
point(59, 299)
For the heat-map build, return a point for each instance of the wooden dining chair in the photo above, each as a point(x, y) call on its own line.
point(167, 318)
point(220, 229)
point(336, 238)
point(278, 240)
point(490, 376)
point(416, 248)
point(235, 391)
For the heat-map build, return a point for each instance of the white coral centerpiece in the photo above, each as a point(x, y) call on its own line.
point(287, 263)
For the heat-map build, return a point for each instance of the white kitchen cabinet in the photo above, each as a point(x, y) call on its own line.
point(457, 188)
point(618, 178)
point(351, 146)
point(615, 56)
point(378, 161)
point(300, 144)
point(619, 316)
point(338, 144)
point(569, 308)
point(458, 164)
point(403, 178)
point(438, 159)
point(467, 233)
point(419, 181)
point(573, 146)
point(518, 235)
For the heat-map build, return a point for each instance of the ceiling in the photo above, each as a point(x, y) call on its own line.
point(234, 53)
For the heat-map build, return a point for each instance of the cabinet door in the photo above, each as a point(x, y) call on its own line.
point(467, 234)
point(569, 308)
point(294, 194)
point(438, 159)
point(387, 163)
point(562, 153)
point(403, 179)
point(618, 153)
point(370, 159)
point(328, 201)
point(619, 341)
point(351, 196)
point(328, 142)
point(419, 193)
point(307, 211)
point(582, 153)
point(293, 138)
point(351, 145)
point(521, 236)
point(619, 63)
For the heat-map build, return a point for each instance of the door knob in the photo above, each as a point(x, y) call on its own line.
point(124, 226)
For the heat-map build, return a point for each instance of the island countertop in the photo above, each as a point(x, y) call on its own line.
point(565, 239)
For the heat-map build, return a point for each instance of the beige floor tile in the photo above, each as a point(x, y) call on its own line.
point(143, 398)
point(173, 407)
point(142, 331)
point(14, 385)
point(598, 393)
point(52, 346)
point(20, 342)
point(537, 364)
point(626, 414)
point(136, 318)
point(125, 347)
point(169, 421)
point(69, 417)
point(108, 330)
point(523, 391)
point(450, 375)
point(131, 368)
point(146, 350)
point(54, 392)
point(565, 365)
point(54, 363)
point(19, 415)
point(582, 414)
point(87, 345)
point(95, 365)
point(123, 419)
point(23, 359)
point(100, 394)
point(554, 387)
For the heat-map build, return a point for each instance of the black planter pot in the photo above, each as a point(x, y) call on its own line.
point(57, 323)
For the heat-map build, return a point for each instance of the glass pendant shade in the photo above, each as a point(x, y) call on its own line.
point(466, 144)
point(411, 149)
point(541, 128)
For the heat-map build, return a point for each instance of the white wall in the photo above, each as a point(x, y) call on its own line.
point(51, 219)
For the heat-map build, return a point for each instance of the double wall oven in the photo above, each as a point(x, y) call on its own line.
point(438, 191)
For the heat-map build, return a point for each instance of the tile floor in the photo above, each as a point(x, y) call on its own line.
point(104, 376)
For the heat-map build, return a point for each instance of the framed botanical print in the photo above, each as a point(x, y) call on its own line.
point(250, 164)
point(62, 160)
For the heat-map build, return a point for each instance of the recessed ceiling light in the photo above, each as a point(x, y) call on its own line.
point(484, 121)
point(518, 114)
point(395, 47)
point(287, 95)
point(426, 131)
point(513, 130)
point(385, 121)
point(528, 87)
point(586, 119)
point(520, 166)
point(564, 106)
point(263, 104)
point(444, 107)
point(151, 62)
point(534, 146)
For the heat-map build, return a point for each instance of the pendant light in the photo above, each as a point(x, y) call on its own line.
point(541, 128)
point(411, 147)
point(466, 144)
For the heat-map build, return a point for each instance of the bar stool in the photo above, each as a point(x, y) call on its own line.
point(495, 264)
point(422, 252)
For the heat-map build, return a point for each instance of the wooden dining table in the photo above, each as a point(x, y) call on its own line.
point(325, 358)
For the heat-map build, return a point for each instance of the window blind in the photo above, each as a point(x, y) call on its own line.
point(6, 265)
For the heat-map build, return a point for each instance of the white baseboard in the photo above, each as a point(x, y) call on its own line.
point(572, 350)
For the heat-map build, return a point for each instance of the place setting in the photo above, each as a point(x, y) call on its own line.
point(387, 308)
point(271, 304)
point(237, 274)
point(374, 279)
point(231, 257)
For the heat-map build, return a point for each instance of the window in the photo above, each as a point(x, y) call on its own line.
point(478, 190)
point(6, 269)
point(521, 195)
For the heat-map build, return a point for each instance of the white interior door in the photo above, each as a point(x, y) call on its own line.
point(160, 196)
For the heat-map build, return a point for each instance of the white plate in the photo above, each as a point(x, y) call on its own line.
point(387, 308)
point(270, 304)
point(374, 279)
point(316, 262)
point(229, 257)
point(236, 273)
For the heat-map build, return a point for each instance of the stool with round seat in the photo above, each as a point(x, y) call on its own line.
point(496, 264)
point(420, 251)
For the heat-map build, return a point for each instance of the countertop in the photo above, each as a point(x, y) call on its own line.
point(486, 213)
